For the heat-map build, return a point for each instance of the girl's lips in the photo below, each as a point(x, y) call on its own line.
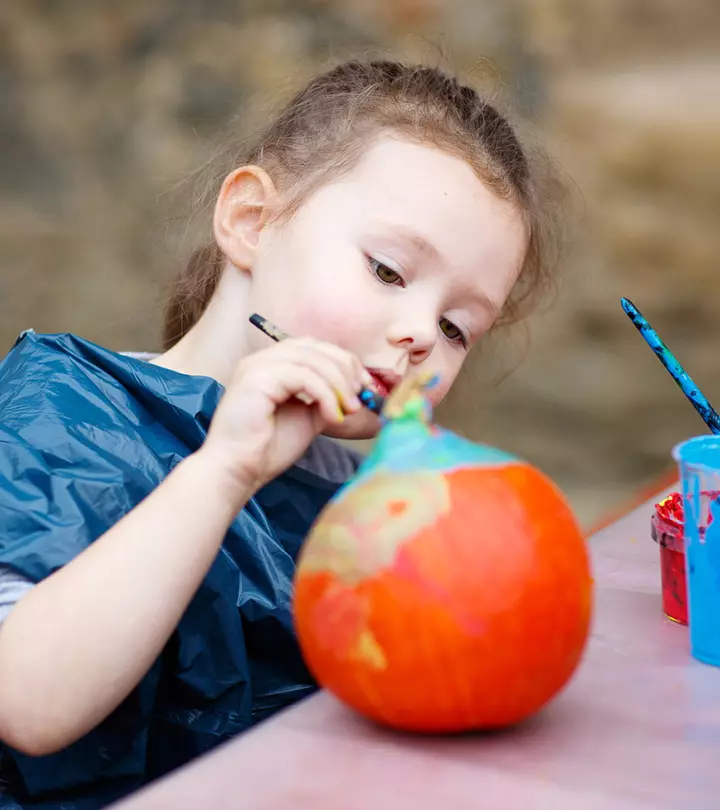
point(379, 386)
point(383, 382)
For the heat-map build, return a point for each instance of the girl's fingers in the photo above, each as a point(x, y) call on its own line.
point(347, 362)
point(343, 388)
point(337, 367)
point(283, 381)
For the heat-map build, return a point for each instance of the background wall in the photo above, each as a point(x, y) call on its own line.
point(106, 107)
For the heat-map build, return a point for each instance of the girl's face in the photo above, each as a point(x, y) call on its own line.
point(406, 261)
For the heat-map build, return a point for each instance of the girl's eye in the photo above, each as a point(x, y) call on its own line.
point(452, 332)
point(385, 273)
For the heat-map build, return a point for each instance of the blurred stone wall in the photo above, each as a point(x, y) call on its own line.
point(107, 108)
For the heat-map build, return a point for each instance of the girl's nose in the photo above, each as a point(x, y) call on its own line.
point(416, 335)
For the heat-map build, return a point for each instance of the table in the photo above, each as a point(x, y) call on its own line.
point(638, 727)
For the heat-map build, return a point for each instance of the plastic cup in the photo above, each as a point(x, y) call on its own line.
point(669, 536)
point(699, 462)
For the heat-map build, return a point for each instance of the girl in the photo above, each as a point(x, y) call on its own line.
point(151, 512)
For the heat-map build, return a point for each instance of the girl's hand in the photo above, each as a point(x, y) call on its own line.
point(278, 400)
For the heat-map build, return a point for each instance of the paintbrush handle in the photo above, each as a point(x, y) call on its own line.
point(369, 398)
point(686, 384)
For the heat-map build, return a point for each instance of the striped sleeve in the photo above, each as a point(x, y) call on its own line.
point(12, 587)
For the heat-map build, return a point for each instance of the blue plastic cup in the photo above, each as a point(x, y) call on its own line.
point(699, 462)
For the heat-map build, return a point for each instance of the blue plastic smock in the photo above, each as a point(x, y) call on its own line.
point(85, 435)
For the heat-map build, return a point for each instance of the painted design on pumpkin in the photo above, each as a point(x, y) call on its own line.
point(368, 651)
point(340, 623)
point(407, 400)
point(359, 534)
point(443, 556)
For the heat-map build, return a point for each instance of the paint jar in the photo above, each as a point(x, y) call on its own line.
point(666, 528)
point(699, 463)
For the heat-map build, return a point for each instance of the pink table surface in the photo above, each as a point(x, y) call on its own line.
point(637, 727)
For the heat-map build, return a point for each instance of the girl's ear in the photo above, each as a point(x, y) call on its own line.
point(243, 207)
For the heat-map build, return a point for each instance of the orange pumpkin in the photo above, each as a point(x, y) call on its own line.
point(446, 587)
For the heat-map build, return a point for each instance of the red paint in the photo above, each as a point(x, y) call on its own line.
point(671, 509)
point(667, 532)
point(397, 507)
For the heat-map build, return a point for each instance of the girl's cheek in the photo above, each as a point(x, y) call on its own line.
point(345, 327)
point(447, 376)
point(346, 315)
point(438, 393)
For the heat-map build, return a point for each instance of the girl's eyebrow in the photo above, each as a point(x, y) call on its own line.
point(489, 305)
point(429, 250)
point(420, 243)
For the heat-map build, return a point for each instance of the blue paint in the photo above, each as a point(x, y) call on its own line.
point(408, 445)
point(699, 463)
point(371, 400)
point(677, 372)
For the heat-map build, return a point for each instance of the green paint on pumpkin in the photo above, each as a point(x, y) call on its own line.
point(359, 534)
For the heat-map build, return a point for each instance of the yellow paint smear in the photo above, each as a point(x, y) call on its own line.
point(369, 651)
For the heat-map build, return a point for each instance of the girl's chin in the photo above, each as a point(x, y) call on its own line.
point(360, 425)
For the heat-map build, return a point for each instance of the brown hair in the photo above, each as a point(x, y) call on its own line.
point(323, 132)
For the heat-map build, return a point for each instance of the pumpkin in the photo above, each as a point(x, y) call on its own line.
point(446, 587)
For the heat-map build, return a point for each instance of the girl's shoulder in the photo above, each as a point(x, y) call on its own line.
point(39, 380)
point(86, 434)
point(65, 379)
point(40, 369)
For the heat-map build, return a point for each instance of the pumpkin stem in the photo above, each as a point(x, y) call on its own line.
point(408, 400)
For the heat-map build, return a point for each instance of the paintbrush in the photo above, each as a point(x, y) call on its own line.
point(676, 371)
point(369, 398)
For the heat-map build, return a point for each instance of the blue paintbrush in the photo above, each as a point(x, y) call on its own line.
point(676, 371)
